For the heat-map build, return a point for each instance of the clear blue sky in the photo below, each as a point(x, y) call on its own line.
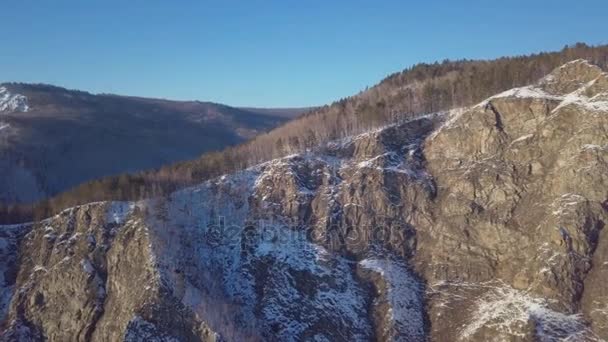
point(270, 53)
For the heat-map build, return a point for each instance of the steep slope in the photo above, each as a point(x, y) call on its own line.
point(479, 224)
point(52, 138)
point(518, 239)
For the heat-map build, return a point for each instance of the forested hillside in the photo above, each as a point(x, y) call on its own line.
point(422, 88)
point(52, 138)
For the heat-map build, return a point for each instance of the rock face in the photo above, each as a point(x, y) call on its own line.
point(481, 224)
point(518, 240)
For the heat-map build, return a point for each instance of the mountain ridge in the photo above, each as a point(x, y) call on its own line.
point(422, 88)
point(479, 223)
point(270, 110)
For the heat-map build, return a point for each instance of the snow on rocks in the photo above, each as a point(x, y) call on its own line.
point(450, 120)
point(392, 162)
point(214, 249)
point(522, 138)
point(562, 88)
point(333, 293)
point(117, 212)
point(87, 267)
point(49, 233)
point(12, 102)
point(7, 256)
point(225, 256)
point(533, 92)
point(214, 253)
point(507, 311)
point(140, 330)
point(9, 242)
point(567, 203)
point(593, 147)
point(579, 97)
point(404, 295)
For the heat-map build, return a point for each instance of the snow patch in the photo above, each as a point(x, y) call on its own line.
point(12, 102)
point(578, 98)
point(296, 261)
point(87, 267)
point(451, 119)
point(567, 203)
point(522, 138)
point(117, 212)
point(140, 330)
point(8, 256)
point(527, 92)
point(508, 311)
point(408, 164)
point(404, 296)
point(595, 147)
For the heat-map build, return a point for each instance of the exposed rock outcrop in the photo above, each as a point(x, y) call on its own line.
point(523, 205)
point(481, 224)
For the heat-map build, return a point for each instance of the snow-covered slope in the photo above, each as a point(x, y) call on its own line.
point(10, 102)
point(271, 276)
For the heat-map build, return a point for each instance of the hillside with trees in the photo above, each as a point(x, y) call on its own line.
point(52, 138)
point(422, 88)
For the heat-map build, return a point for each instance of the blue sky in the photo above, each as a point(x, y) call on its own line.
point(270, 53)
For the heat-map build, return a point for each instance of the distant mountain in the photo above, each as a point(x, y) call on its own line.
point(53, 138)
point(282, 112)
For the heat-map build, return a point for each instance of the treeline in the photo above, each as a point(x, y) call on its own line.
point(423, 88)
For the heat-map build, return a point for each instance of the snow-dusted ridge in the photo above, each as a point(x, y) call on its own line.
point(224, 252)
point(534, 92)
point(597, 102)
point(10, 102)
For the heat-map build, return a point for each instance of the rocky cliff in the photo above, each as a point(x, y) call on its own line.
point(479, 224)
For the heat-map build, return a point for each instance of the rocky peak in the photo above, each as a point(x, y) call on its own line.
point(517, 112)
point(570, 77)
